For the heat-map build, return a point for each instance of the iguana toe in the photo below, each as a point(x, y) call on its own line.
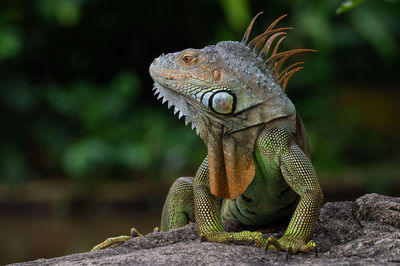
point(235, 237)
point(113, 242)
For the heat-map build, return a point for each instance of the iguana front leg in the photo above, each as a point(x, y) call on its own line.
point(178, 207)
point(207, 213)
point(279, 145)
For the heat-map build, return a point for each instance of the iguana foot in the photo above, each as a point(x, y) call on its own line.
point(290, 245)
point(113, 242)
point(244, 236)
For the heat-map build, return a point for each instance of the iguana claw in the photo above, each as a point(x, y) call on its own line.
point(251, 242)
point(287, 253)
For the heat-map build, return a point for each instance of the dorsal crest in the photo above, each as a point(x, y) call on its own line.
point(274, 61)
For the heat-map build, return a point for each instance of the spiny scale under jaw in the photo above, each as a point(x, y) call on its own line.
point(271, 62)
point(165, 100)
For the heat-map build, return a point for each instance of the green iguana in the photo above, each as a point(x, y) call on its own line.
point(258, 167)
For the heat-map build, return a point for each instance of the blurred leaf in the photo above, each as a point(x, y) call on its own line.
point(348, 5)
point(136, 155)
point(125, 84)
point(13, 166)
point(10, 44)
point(92, 104)
point(66, 12)
point(237, 13)
point(83, 157)
point(318, 27)
point(19, 95)
point(372, 27)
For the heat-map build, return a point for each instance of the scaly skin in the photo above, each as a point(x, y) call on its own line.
point(258, 168)
point(276, 151)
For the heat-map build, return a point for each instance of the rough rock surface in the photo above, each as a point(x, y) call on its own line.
point(364, 232)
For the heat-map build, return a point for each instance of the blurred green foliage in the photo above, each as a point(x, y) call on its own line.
point(348, 5)
point(76, 97)
point(65, 12)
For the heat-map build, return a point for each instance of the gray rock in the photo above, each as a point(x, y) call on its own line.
point(364, 232)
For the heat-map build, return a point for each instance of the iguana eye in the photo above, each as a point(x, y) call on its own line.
point(222, 102)
point(187, 59)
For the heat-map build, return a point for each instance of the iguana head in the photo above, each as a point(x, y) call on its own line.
point(220, 80)
point(228, 90)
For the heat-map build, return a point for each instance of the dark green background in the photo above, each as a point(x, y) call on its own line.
point(85, 143)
